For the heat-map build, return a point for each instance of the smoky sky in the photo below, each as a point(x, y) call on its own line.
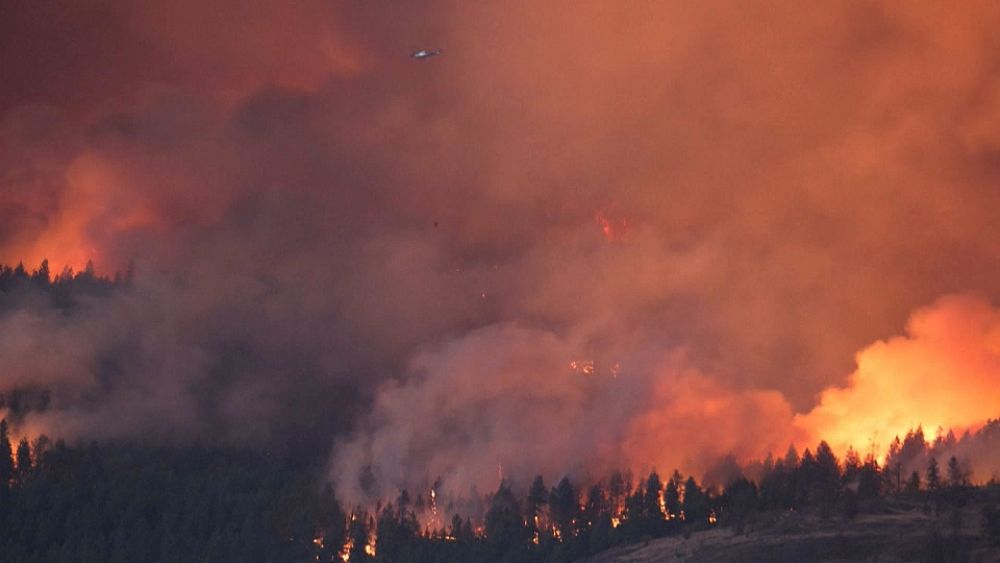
point(727, 201)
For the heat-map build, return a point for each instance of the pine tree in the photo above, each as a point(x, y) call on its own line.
point(618, 489)
point(42, 275)
point(597, 504)
point(456, 526)
point(933, 475)
point(504, 525)
point(805, 478)
point(695, 505)
point(740, 500)
point(791, 457)
point(331, 521)
point(826, 478)
point(770, 486)
point(869, 481)
point(535, 505)
point(6, 456)
point(852, 465)
point(672, 495)
point(893, 469)
point(956, 475)
point(564, 506)
point(651, 498)
point(23, 458)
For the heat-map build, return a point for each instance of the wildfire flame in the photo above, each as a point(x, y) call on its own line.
point(613, 226)
point(942, 374)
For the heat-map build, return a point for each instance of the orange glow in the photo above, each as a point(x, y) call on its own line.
point(90, 212)
point(613, 227)
point(945, 373)
point(706, 421)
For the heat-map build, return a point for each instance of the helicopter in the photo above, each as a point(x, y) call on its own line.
point(425, 53)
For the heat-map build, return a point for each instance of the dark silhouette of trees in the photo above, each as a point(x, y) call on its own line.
point(134, 503)
point(597, 503)
point(331, 524)
point(647, 518)
point(358, 533)
point(505, 530)
point(6, 456)
point(869, 478)
point(852, 466)
point(396, 528)
point(618, 488)
point(535, 506)
point(957, 476)
point(564, 507)
point(933, 475)
point(23, 458)
point(805, 477)
point(42, 277)
point(893, 470)
point(740, 500)
point(131, 502)
point(695, 504)
point(597, 518)
point(773, 487)
point(826, 478)
point(672, 496)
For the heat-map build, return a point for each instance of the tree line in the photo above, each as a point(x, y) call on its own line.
point(133, 502)
point(63, 288)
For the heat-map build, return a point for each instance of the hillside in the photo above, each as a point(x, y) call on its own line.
point(902, 528)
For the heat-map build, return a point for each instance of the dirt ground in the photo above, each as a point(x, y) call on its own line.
point(914, 528)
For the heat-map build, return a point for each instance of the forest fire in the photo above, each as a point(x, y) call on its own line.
point(944, 374)
point(275, 253)
point(613, 227)
point(360, 537)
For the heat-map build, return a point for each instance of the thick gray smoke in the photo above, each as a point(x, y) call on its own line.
point(585, 233)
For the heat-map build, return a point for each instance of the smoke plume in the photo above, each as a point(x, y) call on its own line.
point(586, 235)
